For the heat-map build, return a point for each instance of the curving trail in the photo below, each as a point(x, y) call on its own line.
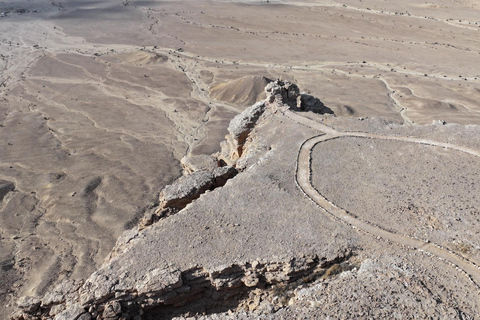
point(303, 179)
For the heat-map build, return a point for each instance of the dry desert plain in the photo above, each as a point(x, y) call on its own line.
point(370, 212)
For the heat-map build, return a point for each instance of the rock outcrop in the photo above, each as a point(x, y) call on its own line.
point(128, 286)
point(203, 172)
point(280, 95)
point(178, 195)
point(283, 94)
point(190, 187)
point(258, 247)
point(164, 292)
point(192, 163)
point(239, 129)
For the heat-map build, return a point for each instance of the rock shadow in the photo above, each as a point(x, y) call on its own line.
point(310, 103)
point(203, 293)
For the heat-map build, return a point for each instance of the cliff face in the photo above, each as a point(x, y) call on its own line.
point(218, 284)
point(245, 233)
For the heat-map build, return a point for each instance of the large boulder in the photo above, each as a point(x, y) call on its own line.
point(283, 93)
point(193, 163)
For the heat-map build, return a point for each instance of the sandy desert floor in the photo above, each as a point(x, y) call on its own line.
point(99, 100)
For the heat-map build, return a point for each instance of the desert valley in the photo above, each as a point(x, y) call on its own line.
point(239, 159)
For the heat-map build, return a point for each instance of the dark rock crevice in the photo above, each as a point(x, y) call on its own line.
point(166, 294)
point(236, 286)
point(187, 189)
point(5, 188)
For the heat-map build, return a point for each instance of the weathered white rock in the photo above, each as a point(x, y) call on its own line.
point(186, 189)
point(29, 304)
point(160, 281)
point(282, 94)
point(203, 162)
point(61, 292)
point(112, 310)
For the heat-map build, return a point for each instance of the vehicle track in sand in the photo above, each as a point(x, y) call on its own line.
point(303, 179)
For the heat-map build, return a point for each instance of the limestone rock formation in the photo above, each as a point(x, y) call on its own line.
point(161, 289)
point(186, 189)
point(280, 95)
point(157, 289)
point(192, 163)
point(190, 187)
point(236, 253)
point(243, 123)
point(239, 129)
point(283, 93)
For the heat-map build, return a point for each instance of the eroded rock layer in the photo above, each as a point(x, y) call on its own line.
point(267, 244)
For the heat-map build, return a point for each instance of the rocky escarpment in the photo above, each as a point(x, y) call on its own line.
point(281, 95)
point(179, 194)
point(172, 290)
point(259, 248)
point(204, 173)
point(164, 293)
point(239, 129)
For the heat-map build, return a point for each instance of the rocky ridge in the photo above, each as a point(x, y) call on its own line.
point(222, 248)
point(204, 173)
point(163, 289)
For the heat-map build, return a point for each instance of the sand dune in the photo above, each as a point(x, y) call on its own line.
point(244, 91)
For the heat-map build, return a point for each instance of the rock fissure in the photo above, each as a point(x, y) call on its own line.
point(204, 173)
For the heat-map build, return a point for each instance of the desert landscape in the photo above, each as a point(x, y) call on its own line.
point(239, 159)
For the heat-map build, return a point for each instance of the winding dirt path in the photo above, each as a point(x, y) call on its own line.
point(303, 179)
